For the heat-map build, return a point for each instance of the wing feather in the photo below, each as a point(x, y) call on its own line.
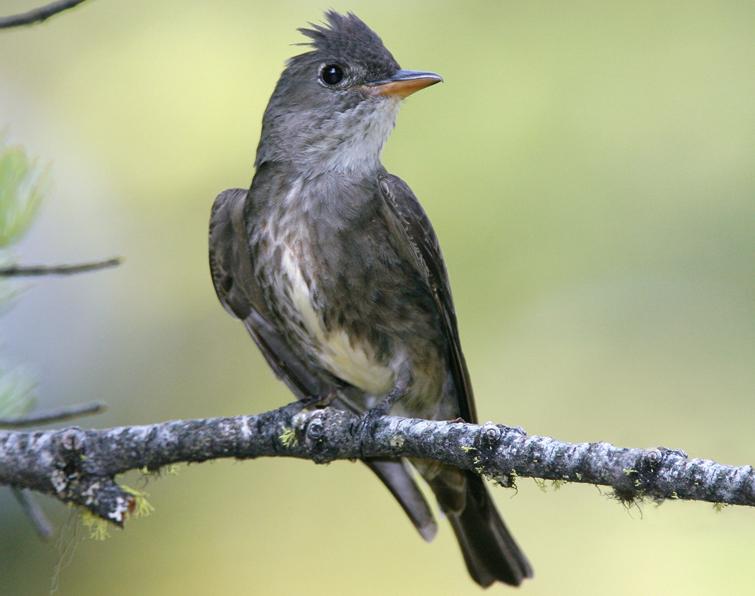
point(240, 294)
point(413, 225)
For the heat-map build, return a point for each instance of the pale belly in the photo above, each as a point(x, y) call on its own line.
point(354, 362)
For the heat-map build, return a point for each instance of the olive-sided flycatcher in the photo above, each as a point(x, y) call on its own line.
point(335, 270)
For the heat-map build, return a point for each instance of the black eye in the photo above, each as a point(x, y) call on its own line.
point(331, 74)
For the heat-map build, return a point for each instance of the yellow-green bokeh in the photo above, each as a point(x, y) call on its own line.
point(589, 170)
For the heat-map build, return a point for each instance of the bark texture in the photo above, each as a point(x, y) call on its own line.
point(79, 466)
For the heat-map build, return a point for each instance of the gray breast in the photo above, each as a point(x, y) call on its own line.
point(297, 279)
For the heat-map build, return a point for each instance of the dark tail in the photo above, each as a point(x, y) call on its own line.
point(489, 550)
point(398, 478)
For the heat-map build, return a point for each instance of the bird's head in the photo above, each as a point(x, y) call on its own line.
point(334, 106)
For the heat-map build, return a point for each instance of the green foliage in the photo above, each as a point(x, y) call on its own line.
point(16, 392)
point(23, 183)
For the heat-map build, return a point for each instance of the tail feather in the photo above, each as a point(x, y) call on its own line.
point(489, 550)
point(396, 475)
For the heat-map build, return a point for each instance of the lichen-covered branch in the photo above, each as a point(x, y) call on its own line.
point(79, 466)
point(37, 15)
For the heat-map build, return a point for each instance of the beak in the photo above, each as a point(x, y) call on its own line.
point(403, 83)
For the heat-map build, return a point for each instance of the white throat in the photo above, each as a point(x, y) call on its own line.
point(369, 125)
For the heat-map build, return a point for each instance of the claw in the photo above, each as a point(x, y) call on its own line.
point(383, 408)
point(315, 401)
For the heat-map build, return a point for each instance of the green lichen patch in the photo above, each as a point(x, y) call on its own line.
point(288, 438)
point(97, 527)
point(142, 506)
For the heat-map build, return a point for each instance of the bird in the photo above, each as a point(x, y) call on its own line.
point(334, 268)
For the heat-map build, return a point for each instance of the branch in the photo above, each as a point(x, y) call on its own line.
point(79, 466)
point(37, 15)
point(50, 416)
point(30, 507)
point(35, 270)
point(34, 512)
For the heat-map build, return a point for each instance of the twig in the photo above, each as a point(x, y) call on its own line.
point(50, 416)
point(34, 512)
point(79, 466)
point(34, 270)
point(37, 15)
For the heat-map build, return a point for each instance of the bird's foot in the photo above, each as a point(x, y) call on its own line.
point(399, 390)
point(314, 401)
point(321, 401)
point(383, 408)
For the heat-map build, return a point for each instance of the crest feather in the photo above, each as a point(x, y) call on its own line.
point(347, 37)
point(339, 28)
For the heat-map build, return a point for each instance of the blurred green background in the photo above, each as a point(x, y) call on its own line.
point(589, 168)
